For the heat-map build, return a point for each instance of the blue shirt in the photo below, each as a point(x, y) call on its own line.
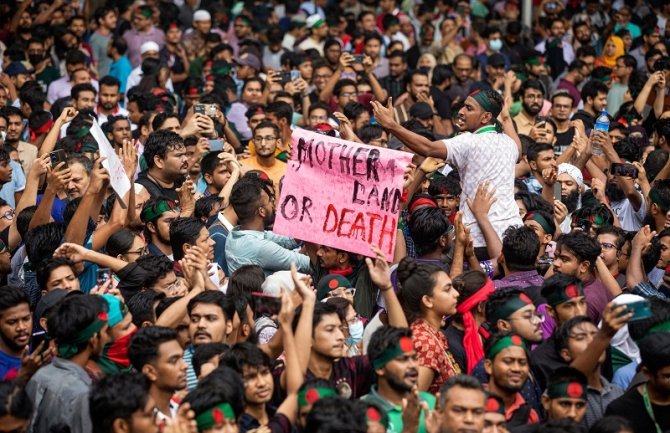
point(9, 366)
point(121, 70)
point(17, 184)
point(57, 208)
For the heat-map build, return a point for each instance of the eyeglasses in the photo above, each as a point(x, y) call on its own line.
point(141, 252)
point(608, 246)
point(268, 138)
point(349, 95)
point(340, 292)
point(9, 215)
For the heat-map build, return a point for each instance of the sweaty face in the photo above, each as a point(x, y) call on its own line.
point(16, 324)
point(207, 324)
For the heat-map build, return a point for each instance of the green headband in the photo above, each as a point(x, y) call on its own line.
point(69, 349)
point(484, 102)
point(536, 61)
point(542, 221)
point(400, 348)
point(152, 213)
point(82, 132)
point(146, 13)
point(215, 416)
point(558, 297)
point(317, 24)
point(658, 328)
point(655, 197)
point(566, 390)
point(508, 308)
point(504, 343)
point(309, 396)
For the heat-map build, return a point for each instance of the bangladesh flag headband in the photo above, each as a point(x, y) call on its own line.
point(68, 349)
point(558, 297)
point(504, 343)
point(483, 101)
point(540, 220)
point(514, 304)
point(494, 404)
point(215, 416)
point(373, 415)
point(402, 347)
point(309, 396)
point(152, 213)
point(567, 390)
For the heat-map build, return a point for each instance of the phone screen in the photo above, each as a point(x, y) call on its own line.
point(557, 191)
point(266, 305)
point(103, 275)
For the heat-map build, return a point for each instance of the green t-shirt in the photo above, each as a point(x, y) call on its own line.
point(47, 76)
point(394, 412)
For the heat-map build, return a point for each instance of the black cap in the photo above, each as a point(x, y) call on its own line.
point(496, 60)
point(48, 301)
point(421, 110)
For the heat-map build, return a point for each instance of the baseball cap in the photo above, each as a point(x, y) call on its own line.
point(421, 110)
point(248, 59)
point(48, 301)
point(17, 68)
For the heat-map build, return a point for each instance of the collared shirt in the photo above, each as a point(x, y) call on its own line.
point(135, 39)
point(598, 400)
point(117, 111)
point(486, 156)
point(269, 251)
point(519, 279)
point(519, 401)
point(523, 123)
point(432, 352)
point(394, 412)
point(59, 392)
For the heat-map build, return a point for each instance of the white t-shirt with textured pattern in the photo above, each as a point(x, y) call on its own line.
point(486, 155)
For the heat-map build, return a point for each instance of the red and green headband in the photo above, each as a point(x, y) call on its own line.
point(566, 390)
point(504, 343)
point(558, 297)
point(512, 305)
point(484, 102)
point(309, 396)
point(542, 221)
point(402, 347)
point(152, 213)
point(215, 416)
point(68, 349)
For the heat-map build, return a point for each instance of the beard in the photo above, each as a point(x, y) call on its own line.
point(108, 105)
point(397, 383)
point(10, 343)
point(614, 192)
point(571, 201)
point(160, 237)
point(531, 109)
point(269, 220)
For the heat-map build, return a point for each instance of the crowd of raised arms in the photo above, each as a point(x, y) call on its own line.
point(146, 146)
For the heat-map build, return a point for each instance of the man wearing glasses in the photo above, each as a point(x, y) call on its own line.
point(266, 138)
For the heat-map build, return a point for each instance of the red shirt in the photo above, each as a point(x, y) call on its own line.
point(432, 352)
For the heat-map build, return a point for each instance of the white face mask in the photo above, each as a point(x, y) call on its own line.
point(495, 44)
point(355, 333)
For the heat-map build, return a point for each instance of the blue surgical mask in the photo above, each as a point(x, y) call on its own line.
point(355, 333)
point(496, 44)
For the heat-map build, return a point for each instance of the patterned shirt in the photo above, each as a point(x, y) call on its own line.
point(431, 351)
point(486, 156)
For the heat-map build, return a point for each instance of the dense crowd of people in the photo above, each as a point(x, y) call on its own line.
point(144, 147)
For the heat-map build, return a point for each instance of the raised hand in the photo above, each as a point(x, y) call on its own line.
point(303, 285)
point(379, 269)
point(431, 165)
point(484, 199)
point(128, 156)
point(58, 177)
point(384, 115)
point(99, 176)
point(74, 252)
point(67, 115)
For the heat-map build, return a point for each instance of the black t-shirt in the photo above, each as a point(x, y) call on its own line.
point(563, 140)
point(545, 359)
point(442, 102)
point(631, 406)
point(455, 342)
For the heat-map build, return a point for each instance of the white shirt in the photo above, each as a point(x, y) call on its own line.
point(629, 218)
point(486, 156)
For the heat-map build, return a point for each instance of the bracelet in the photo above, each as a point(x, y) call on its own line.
point(387, 288)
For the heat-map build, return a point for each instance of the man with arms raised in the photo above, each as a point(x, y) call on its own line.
point(481, 154)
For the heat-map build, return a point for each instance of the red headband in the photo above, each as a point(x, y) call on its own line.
point(422, 202)
point(474, 349)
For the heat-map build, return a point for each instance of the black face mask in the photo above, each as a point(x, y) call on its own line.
point(35, 59)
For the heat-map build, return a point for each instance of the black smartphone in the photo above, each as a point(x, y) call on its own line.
point(625, 170)
point(266, 305)
point(56, 157)
point(358, 58)
point(557, 191)
point(285, 77)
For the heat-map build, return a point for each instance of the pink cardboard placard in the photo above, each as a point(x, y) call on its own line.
point(342, 194)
